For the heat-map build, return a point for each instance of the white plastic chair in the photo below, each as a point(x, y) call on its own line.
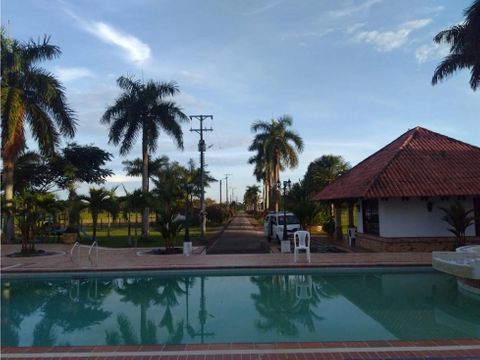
point(301, 241)
point(351, 235)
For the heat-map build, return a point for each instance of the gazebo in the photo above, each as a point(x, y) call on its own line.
point(398, 192)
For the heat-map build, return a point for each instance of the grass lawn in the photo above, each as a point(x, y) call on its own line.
point(118, 236)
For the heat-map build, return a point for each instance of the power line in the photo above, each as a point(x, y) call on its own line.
point(202, 148)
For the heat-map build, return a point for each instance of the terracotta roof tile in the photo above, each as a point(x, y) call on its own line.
point(418, 163)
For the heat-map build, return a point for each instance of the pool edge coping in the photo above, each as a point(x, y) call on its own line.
point(381, 346)
point(13, 269)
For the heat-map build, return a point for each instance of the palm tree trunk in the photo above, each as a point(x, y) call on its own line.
point(276, 180)
point(265, 195)
point(136, 223)
point(145, 182)
point(8, 181)
point(129, 231)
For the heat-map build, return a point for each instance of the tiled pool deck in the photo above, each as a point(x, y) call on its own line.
point(127, 259)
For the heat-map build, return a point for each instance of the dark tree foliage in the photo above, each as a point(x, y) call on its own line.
point(464, 43)
point(323, 171)
point(82, 163)
point(75, 163)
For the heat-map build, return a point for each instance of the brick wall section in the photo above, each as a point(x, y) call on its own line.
point(422, 244)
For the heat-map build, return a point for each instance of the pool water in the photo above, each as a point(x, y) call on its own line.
point(235, 306)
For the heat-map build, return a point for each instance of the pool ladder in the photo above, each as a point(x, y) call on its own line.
point(77, 246)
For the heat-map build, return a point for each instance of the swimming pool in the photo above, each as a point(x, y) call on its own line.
point(235, 306)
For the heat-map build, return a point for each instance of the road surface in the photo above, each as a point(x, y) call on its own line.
point(240, 237)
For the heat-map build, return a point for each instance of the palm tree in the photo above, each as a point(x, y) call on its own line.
point(97, 201)
point(323, 171)
point(277, 147)
point(29, 95)
point(134, 202)
point(261, 172)
point(301, 205)
point(251, 196)
point(155, 166)
point(464, 47)
point(142, 108)
point(459, 220)
point(113, 208)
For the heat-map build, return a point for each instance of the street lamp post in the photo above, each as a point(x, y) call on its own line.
point(187, 244)
point(286, 185)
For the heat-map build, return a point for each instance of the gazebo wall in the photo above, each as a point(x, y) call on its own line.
point(416, 217)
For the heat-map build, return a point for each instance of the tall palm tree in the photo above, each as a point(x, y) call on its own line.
point(464, 47)
point(261, 172)
point(144, 108)
point(277, 147)
point(97, 201)
point(29, 95)
point(251, 196)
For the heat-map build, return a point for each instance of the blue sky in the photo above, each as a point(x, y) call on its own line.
point(354, 75)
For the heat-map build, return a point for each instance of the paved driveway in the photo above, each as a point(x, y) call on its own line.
point(240, 237)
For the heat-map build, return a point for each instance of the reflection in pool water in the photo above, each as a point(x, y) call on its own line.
point(319, 305)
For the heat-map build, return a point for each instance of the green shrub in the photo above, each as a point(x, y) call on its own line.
point(218, 213)
point(329, 226)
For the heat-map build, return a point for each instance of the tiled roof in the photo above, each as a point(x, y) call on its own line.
point(418, 163)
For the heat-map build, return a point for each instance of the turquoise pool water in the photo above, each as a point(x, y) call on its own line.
point(235, 306)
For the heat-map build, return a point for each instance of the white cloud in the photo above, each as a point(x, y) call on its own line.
point(265, 7)
point(74, 73)
point(122, 178)
point(350, 10)
point(389, 40)
point(428, 52)
point(133, 49)
point(352, 28)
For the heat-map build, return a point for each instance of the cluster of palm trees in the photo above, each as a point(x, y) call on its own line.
point(276, 148)
point(144, 109)
point(32, 96)
point(251, 197)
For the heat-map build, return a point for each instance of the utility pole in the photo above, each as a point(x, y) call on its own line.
point(220, 191)
point(202, 148)
point(226, 188)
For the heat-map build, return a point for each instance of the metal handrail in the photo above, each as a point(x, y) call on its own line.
point(76, 245)
point(94, 245)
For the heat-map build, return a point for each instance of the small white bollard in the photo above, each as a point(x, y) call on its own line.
point(285, 246)
point(187, 248)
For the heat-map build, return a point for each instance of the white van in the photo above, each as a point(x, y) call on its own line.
point(273, 226)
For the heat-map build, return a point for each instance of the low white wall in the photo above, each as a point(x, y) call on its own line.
point(411, 218)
